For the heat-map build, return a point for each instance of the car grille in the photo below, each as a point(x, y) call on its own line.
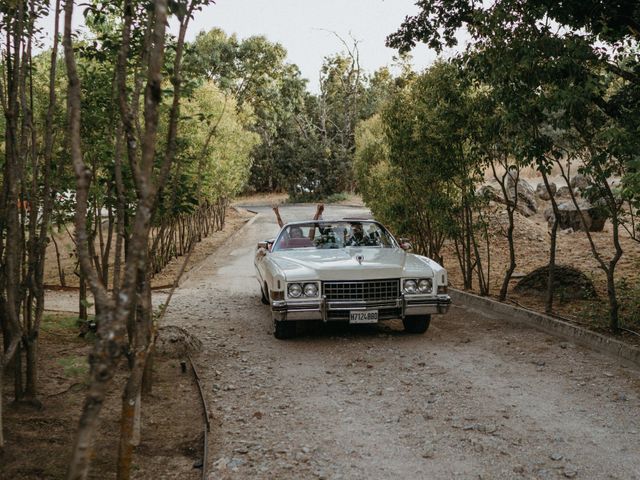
point(368, 290)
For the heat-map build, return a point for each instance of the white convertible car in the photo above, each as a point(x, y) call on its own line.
point(350, 270)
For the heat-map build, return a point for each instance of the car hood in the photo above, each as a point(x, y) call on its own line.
point(344, 264)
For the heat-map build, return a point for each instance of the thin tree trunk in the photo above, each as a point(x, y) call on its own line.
point(18, 384)
point(1, 403)
point(548, 308)
point(63, 282)
point(512, 204)
point(120, 211)
point(130, 421)
point(82, 299)
point(31, 351)
point(512, 257)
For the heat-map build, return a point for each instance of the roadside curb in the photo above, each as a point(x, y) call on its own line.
point(550, 325)
point(233, 236)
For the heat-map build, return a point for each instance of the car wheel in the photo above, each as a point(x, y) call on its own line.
point(416, 323)
point(264, 299)
point(284, 329)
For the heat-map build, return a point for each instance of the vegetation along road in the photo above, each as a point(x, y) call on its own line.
point(472, 398)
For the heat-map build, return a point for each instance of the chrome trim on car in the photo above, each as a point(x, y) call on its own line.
point(329, 311)
point(362, 290)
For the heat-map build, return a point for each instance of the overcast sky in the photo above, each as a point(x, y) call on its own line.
point(304, 28)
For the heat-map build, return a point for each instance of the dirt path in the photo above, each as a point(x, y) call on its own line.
point(473, 398)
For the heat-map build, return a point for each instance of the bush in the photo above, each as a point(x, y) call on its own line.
point(336, 198)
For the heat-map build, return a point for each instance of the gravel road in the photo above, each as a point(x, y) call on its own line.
point(473, 398)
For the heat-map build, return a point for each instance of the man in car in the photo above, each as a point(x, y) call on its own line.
point(358, 238)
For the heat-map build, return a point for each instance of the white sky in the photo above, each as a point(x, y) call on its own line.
point(305, 27)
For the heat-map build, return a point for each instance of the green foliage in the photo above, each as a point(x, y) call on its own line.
point(336, 198)
point(255, 72)
point(553, 83)
point(214, 156)
point(379, 182)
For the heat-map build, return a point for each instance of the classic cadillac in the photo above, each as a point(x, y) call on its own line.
point(350, 270)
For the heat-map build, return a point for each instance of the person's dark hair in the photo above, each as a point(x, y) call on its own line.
point(298, 231)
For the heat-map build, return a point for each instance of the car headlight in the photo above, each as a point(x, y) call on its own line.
point(294, 290)
point(425, 285)
point(310, 290)
point(410, 286)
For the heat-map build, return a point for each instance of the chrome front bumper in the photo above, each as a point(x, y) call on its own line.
point(330, 310)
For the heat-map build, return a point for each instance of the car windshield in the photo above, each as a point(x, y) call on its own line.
point(322, 235)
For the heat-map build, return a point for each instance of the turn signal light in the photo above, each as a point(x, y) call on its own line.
point(442, 289)
point(275, 295)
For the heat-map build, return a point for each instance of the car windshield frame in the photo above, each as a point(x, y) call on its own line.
point(327, 236)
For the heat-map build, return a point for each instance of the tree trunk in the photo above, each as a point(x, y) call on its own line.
point(127, 420)
point(130, 421)
point(1, 402)
point(31, 393)
point(512, 257)
point(548, 308)
point(82, 299)
point(511, 204)
point(18, 384)
point(63, 282)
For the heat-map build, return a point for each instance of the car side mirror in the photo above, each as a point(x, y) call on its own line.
point(264, 244)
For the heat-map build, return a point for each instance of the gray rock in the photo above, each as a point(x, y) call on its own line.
point(527, 204)
point(490, 193)
point(544, 193)
point(543, 473)
point(234, 463)
point(563, 192)
point(579, 182)
point(571, 217)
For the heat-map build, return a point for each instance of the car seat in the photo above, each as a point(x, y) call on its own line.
point(297, 243)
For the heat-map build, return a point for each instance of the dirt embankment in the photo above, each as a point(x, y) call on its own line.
point(532, 245)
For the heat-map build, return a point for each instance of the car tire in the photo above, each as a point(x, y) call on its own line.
point(284, 329)
point(416, 323)
point(264, 299)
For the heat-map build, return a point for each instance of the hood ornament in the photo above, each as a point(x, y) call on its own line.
point(360, 258)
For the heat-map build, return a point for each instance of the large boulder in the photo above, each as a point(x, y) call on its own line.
point(490, 193)
point(544, 193)
point(571, 217)
point(527, 204)
point(579, 182)
point(563, 192)
point(568, 283)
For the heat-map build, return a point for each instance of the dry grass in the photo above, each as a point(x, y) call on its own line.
point(532, 240)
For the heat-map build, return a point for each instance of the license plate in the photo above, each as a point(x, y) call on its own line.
point(363, 316)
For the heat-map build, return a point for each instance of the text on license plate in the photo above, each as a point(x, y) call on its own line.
point(363, 316)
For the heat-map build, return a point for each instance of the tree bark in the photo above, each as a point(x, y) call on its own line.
point(511, 207)
point(548, 308)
